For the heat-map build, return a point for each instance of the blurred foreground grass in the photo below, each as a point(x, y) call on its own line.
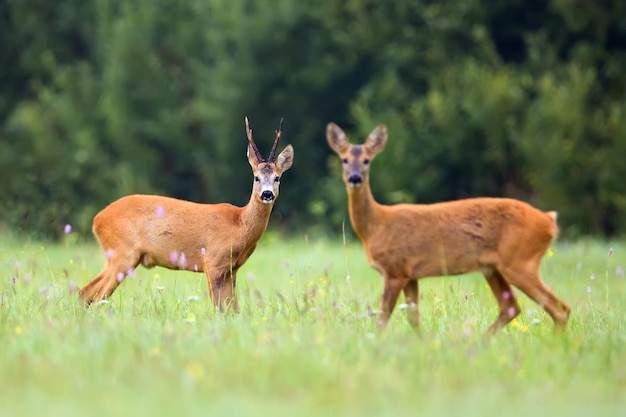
point(303, 342)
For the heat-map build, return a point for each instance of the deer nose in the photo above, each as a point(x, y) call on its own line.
point(355, 179)
point(267, 196)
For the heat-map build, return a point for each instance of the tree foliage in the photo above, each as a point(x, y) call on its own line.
point(502, 98)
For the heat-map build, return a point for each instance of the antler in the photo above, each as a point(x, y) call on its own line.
point(256, 150)
point(280, 130)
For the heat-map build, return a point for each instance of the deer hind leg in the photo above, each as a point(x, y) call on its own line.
point(411, 294)
point(89, 293)
point(107, 281)
point(509, 307)
point(529, 281)
point(100, 288)
point(393, 286)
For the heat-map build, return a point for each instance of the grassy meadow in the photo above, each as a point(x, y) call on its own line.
point(304, 342)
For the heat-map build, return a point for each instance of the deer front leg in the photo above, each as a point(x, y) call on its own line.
point(222, 291)
point(411, 294)
point(393, 286)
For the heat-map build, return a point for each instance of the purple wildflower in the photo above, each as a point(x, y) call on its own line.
point(67, 229)
point(619, 271)
point(512, 312)
point(592, 277)
point(174, 257)
point(588, 289)
point(130, 272)
point(108, 253)
point(26, 279)
point(120, 277)
point(13, 279)
point(72, 287)
point(203, 251)
point(160, 212)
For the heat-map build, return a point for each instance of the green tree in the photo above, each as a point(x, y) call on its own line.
point(504, 98)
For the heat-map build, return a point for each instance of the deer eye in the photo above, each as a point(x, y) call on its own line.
point(366, 161)
point(256, 179)
point(344, 160)
point(277, 179)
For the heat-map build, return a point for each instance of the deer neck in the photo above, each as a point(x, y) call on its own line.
point(255, 217)
point(362, 208)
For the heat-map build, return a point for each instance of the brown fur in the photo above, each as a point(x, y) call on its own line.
point(212, 238)
point(503, 238)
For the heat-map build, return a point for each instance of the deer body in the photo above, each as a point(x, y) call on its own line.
point(216, 239)
point(176, 239)
point(504, 239)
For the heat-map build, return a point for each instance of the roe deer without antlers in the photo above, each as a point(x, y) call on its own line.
point(212, 238)
point(504, 239)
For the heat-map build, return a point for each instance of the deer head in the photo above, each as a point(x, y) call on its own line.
point(356, 158)
point(267, 174)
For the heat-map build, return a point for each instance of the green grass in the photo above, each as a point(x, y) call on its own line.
point(303, 342)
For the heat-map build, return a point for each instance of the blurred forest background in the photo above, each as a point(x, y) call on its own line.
point(517, 98)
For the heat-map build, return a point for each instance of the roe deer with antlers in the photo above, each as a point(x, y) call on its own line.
point(504, 239)
point(212, 238)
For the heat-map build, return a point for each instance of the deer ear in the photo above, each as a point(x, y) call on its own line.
point(377, 140)
point(252, 159)
point(337, 139)
point(285, 159)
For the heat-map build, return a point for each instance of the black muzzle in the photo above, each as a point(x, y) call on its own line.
point(267, 196)
point(355, 179)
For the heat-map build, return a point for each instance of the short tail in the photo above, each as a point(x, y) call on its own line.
point(555, 229)
point(553, 215)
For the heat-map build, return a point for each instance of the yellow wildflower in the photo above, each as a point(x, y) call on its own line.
point(194, 371)
point(435, 344)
